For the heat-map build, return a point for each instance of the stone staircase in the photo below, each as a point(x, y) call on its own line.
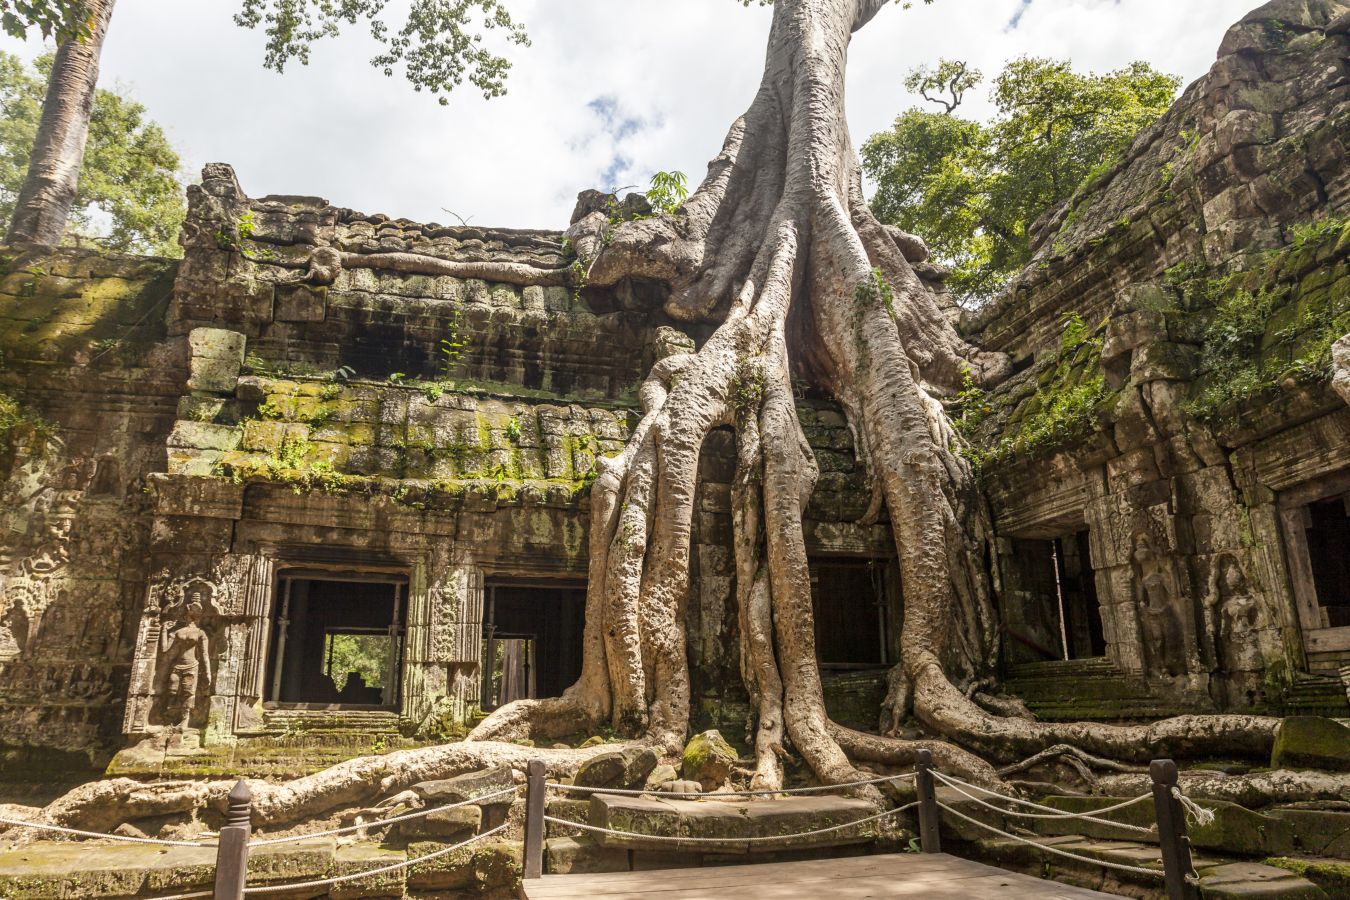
point(1073, 690)
point(575, 851)
point(1289, 853)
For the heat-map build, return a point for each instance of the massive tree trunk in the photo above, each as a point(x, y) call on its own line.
point(778, 248)
point(48, 192)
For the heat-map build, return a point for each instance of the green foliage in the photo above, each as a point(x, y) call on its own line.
point(233, 236)
point(747, 390)
point(973, 190)
point(876, 288)
point(1309, 233)
point(1269, 328)
point(971, 407)
point(15, 417)
point(668, 190)
point(513, 429)
point(366, 654)
point(437, 45)
point(60, 19)
point(452, 347)
point(952, 77)
point(1069, 404)
point(131, 175)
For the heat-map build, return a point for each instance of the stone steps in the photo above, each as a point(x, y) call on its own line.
point(729, 821)
point(1276, 853)
point(104, 870)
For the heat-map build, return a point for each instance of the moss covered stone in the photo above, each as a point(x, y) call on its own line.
point(1311, 742)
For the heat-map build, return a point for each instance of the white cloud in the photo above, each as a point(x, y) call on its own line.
point(682, 70)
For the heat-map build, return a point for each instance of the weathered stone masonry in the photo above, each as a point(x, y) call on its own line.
point(198, 444)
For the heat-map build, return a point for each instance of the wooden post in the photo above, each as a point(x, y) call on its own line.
point(534, 819)
point(929, 839)
point(232, 847)
point(1172, 839)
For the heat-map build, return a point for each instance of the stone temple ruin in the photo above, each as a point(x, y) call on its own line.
point(290, 500)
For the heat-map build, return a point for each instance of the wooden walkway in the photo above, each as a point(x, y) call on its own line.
point(935, 875)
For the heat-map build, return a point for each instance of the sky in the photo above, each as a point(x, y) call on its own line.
point(609, 92)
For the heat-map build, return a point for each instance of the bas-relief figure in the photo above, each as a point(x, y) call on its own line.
point(183, 663)
point(1156, 596)
point(38, 581)
point(1236, 619)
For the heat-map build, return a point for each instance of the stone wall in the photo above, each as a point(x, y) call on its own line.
point(88, 386)
point(1174, 388)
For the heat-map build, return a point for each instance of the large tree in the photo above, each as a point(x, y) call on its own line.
point(975, 189)
point(779, 252)
point(129, 195)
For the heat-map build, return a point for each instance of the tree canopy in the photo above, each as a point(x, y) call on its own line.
point(438, 44)
point(130, 196)
point(974, 189)
point(61, 19)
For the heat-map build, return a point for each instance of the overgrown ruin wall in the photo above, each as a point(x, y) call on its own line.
point(290, 399)
point(1175, 401)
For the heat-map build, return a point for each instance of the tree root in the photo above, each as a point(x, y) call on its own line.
point(1251, 791)
point(1080, 762)
point(103, 805)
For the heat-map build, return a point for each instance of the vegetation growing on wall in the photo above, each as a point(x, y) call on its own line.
point(1272, 327)
point(1069, 404)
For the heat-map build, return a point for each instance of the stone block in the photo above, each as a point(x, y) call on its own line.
point(300, 861)
point(216, 358)
point(204, 436)
point(708, 759)
point(473, 786)
point(627, 769)
point(1311, 742)
point(301, 303)
point(449, 825)
point(573, 855)
point(362, 858)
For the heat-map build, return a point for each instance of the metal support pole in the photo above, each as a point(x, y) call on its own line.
point(929, 839)
point(1172, 839)
point(232, 848)
point(534, 819)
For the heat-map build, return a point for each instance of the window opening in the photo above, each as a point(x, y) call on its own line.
point(532, 639)
point(850, 600)
point(337, 640)
point(1328, 537)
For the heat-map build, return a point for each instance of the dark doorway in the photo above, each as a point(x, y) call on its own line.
point(337, 640)
point(532, 636)
point(1328, 538)
point(851, 602)
point(1054, 610)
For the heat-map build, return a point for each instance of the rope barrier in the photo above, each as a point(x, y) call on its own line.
point(380, 823)
point(1057, 814)
point(707, 794)
point(368, 873)
point(1137, 870)
point(1060, 813)
point(18, 823)
point(1194, 811)
point(595, 829)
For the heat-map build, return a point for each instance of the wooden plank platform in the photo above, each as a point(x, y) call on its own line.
point(893, 875)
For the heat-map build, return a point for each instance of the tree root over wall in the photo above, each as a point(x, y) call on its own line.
point(777, 248)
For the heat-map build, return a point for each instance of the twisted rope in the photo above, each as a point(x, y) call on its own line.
point(18, 823)
point(1194, 811)
point(1137, 870)
point(706, 794)
point(595, 829)
point(380, 823)
point(368, 873)
point(1054, 813)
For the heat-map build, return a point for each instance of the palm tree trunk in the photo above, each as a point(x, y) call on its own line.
point(48, 192)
